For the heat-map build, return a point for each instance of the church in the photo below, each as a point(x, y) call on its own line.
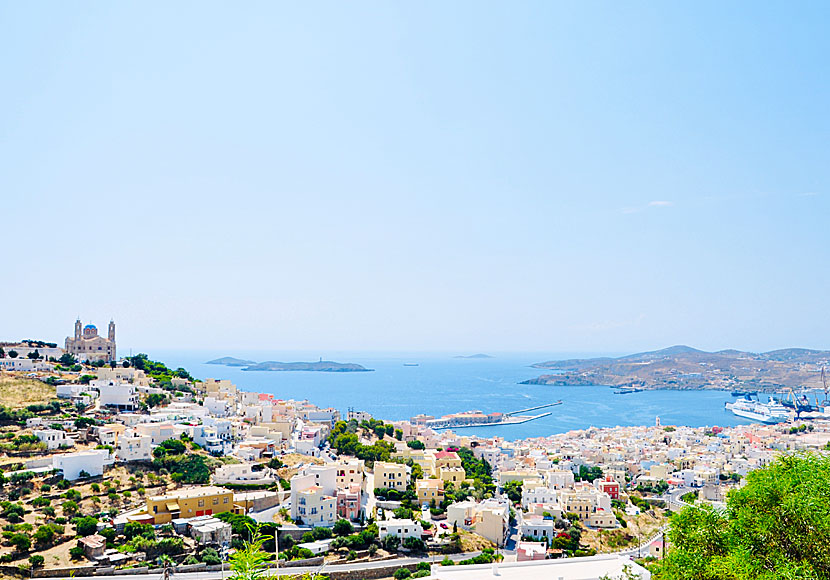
point(88, 346)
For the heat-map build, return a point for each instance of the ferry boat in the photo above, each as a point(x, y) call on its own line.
point(771, 412)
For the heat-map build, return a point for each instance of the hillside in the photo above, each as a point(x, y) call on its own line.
point(684, 367)
point(18, 392)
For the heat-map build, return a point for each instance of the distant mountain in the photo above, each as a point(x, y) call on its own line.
point(325, 366)
point(229, 361)
point(684, 367)
point(479, 355)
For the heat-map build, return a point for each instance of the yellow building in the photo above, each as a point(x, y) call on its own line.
point(429, 490)
point(454, 475)
point(189, 503)
point(391, 475)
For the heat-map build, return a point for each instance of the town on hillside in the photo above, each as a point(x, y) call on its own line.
point(118, 464)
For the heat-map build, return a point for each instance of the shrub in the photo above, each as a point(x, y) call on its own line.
point(401, 574)
point(36, 561)
point(76, 552)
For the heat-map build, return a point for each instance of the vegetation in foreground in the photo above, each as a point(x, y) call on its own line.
point(776, 527)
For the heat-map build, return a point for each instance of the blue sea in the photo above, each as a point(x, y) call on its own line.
point(442, 384)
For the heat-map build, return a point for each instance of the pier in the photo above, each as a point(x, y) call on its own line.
point(545, 406)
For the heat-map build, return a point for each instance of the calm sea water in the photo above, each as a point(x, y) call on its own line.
point(443, 384)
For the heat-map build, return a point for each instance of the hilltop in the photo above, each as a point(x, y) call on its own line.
point(684, 367)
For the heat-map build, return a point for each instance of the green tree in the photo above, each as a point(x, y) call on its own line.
point(21, 542)
point(86, 526)
point(13, 354)
point(776, 526)
point(36, 560)
point(513, 490)
point(343, 528)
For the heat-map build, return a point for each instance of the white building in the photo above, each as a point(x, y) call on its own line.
point(536, 527)
point(91, 462)
point(122, 396)
point(54, 438)
point(134, 447)
point(242, 474)
point(322, 476)
point(401, 528)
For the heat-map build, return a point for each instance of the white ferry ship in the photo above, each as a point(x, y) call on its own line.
point(769, 413)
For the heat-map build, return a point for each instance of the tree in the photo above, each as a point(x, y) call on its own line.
point(136, 529)
point(67, 359)
point(69, 507)
point(33, 354)
point(776, 526)
point(513, 490)
point(21, 542)
point(343, 528)
point(86, 526)
point(13, 354)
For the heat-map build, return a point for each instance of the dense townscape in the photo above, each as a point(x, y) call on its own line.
point(117, 465)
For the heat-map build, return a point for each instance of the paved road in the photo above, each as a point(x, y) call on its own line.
point(297, 570)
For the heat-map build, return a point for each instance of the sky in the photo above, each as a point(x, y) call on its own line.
point(441, 176)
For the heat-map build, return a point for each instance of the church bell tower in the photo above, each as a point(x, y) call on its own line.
point(78, 329)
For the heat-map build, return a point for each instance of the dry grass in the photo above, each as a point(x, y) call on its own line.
point(17, 392)
point(471, 542)
point(292, 460)
point(645, 524)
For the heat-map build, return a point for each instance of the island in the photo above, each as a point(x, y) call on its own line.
point(479, 355)
point(230, 361)
point(684, 367)
point(324, 366)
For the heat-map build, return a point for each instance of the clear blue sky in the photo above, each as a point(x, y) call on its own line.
point(464, 176)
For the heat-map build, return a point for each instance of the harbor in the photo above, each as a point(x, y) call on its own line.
point(480, 419)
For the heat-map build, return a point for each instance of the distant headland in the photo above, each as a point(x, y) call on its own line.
point(323, 366)
point(479, 355)
point(230, 361)
point(684, 367)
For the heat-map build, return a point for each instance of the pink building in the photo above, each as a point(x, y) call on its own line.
point(348, 502)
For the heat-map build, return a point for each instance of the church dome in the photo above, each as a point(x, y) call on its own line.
point(90, 327)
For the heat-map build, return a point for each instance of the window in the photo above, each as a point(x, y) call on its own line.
point(216, 501)
point(225, 500)
point(201, 503)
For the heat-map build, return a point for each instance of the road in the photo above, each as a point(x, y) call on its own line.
point(296, 570)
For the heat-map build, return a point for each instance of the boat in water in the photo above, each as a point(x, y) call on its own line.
point(769, 413)
point(744, 393)
point(626, 390)
point(410, 364)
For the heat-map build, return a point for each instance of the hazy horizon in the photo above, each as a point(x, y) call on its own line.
point(443, 177)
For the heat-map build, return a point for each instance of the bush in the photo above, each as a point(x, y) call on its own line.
point(86, 526)
point(36, 561)
point(343, 528)
point(76, 552)
point(210, 557)
point(21, 542)
point(401, 574)
point(320, 533)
